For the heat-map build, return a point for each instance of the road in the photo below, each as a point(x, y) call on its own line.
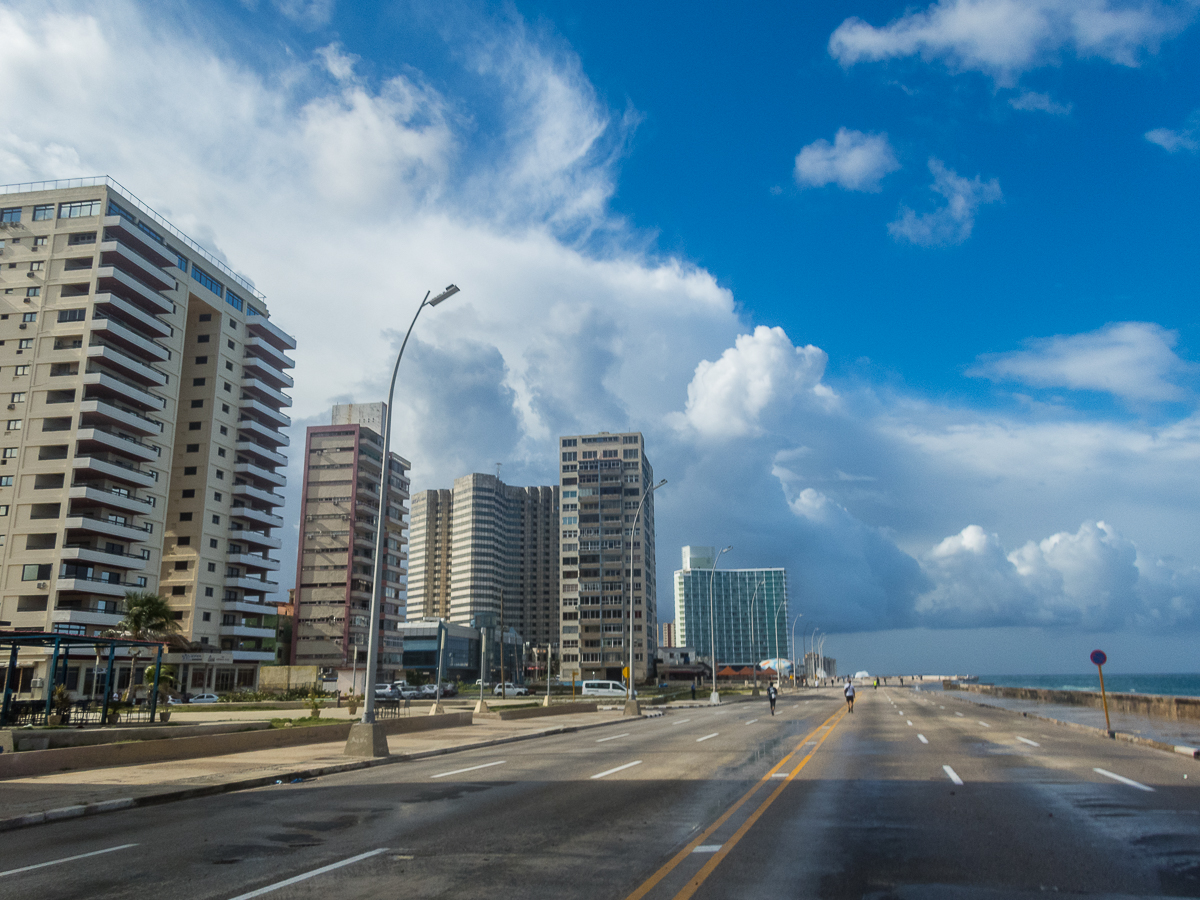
point(915, 794)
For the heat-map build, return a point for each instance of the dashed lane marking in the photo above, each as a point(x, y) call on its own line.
point(707, 848)
point(680, 721)
point(305, 876)
point(1028, 741)
point(1121, 778)
point(960, 715)
point(952, 774)
point(707, 736)
point(909, 722)
point(752, 721)
point(923, 739)
point(636, 762)
point(67, 859)
point(612, 737)
point(983, 723)
point(498, 762)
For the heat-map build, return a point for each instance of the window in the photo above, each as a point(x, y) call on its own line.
point(181, 566)
point(208, 281)
point(37, 266)
point(147, 230)
point(205, 317)
point(11, 214)
point(189, 470)
point(224, 430)
point(77, 210)
point(568, 442)
point(184, 542)
point(217, 496)
point(43, 213)
point(202, 339)
point(82, 237)
point(33, 292)
point(232, 346)
point(568, 457)
point(10, 452)
point(233, 300)
point(220, 452)
point(227, 386)
point(21, 370)
point(212, 543)
point(181, 262)
point(36, 572)
point(72, 315)
point(3, 509)
point(197, 382)
point(29, 317)
point(201, 360)
point(197, 404)
point(208, 592)
point(17, 397)
point(6, 480)
point(178, 591)
point(189, 492)
point(13, 425)
point(228, 364)
point(224, 406)
point(192, 448)
point(212, 567)
point(216, 520)
point(194, 426)
point(206, 617)
point(251, 311)
point(25, 344)
point(185, 517)
point(220, 475)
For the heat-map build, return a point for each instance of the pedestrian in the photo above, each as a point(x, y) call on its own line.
point(849, 695)
point(693, 688)
point(876, 684)
point(771, 695)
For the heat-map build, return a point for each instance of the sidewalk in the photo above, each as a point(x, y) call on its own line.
point(32, 801)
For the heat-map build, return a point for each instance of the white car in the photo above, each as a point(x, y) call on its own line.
point(604, 689)
point(509, 689)
point(205, 698)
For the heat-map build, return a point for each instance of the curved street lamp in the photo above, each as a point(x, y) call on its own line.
point(753, 648)
point(631, 705)
point(799, 616)
point(714, 698)
point(365, 739)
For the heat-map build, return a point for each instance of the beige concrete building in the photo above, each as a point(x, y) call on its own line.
point(144, 390)
point(335, 568)
point(429, 556)
point(605, 555)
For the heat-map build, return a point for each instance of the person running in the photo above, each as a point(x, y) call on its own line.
point(849, 695)
point(771, 695)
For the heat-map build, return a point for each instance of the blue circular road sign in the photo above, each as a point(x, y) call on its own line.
point(1098, 657)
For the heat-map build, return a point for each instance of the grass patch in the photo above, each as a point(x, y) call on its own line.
point(301, 722)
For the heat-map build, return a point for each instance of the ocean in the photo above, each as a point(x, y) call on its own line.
point(1175, 685)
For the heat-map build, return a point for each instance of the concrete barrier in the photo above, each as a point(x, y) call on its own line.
point(1156, 705)
point(100, 756)
point(55, 739)
point(559, 709)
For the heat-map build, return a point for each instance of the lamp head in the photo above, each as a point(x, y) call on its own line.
point(450, 291)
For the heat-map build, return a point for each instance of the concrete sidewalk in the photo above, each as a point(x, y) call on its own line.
point(32, 801)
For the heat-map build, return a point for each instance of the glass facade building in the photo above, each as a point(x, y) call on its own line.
point(749, 608)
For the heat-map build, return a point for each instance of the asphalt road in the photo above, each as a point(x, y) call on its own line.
point(913, 795)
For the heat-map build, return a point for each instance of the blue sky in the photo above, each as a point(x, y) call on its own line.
point(903, 297)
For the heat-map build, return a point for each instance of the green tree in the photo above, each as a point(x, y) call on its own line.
point(147, 617)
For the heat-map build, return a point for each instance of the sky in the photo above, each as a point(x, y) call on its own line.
point(903, 296)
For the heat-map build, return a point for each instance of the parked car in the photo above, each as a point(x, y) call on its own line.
point(204, 698)
point(509, 689)
point(603, 689)
point(386, 692)
point(428, 690)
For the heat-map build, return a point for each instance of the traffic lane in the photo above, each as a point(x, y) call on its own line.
point(217, 846)
point(871, 814)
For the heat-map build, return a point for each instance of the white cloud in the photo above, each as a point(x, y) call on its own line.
point(728, 398)
point(1183, 139)
point(1131, 360)
point(1032, 101)
point(1004, 38)
point(953, 222)
point(307, 13)
point(854, 161)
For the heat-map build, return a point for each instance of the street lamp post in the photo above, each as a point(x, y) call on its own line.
point(775, 623)
point(799, 616)
point(812, 650)
point(753, 647)
point(714, 698)
point(631, 705)
point(365, 738)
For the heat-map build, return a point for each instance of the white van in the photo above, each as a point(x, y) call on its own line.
point(603, 689)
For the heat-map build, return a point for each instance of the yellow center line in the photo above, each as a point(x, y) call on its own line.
point(683, 854)
point(715, 861)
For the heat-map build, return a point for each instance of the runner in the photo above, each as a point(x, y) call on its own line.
point(771, 694)
point(850, 695)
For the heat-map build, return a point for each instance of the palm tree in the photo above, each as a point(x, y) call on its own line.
point(148, 617)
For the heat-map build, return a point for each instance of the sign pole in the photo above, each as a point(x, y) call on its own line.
point(1099, 658)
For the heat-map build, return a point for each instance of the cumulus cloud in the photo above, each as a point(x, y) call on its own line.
point(728, 398)
point(1185, 139)
point(1004, 38)
point(953, 222)
point(1134, 361)
point(854, 161)
point(1032, 101)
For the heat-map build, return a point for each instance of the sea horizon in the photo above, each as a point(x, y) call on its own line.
point(1169, 684)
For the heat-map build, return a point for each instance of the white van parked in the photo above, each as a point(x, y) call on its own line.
point(603, 689)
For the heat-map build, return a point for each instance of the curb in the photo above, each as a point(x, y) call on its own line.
point(229, 787)
point(1193, 752)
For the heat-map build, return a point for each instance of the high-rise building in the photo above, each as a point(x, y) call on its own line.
point(144, 385)
point(605, 555)
point(429, 556)
point(750, 610)
point(335, 568)
point(667, 637)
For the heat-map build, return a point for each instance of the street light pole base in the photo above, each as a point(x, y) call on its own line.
point(546, 700)
point(714, 698)
point(436, 709)
point(367, 740)
point(632, 708)
point(481, 707)
point(754, 693)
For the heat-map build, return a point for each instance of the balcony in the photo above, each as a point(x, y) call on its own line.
point(104, 558)
point(254, 655)
point(117, 443)
point(265, 433)
point(264, 350)
point(123, 311)
point(256, 538)
point(138, 240)
point(245, 490)
point(103, 526)
point(121, 255)
point(247, 631)
point(264, 392)
point(84, 496)
point(259, 473)
point(250, 561)
point(96, 615)
point(96, 586)
point(103, 385)
point(267, 369)
point(250, 608)
point(264, 412)
point(111, 357)
point(112, 332)
point(262, 327)
point(107, 468)
point(258, 450)
point(260, 516)
point(251, 585)
point(112, 279)
point(112, 414)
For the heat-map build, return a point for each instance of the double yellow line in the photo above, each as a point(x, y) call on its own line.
point(728, 845)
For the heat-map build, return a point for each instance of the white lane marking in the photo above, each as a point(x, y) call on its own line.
point(66, 859)
point(308, 875)
point(498, 762)
point(780, 775)
point(909, 721)
point(960, 715)
point(1121, 778)
point(707, 736)
point(707, 848)
point(953, 775)
point(636, 762)
point(923, 739)
point(612, 737)
point(983, 723)
point(1028, 741)
point(941, 707)
point(901, 712)
point(681, 721)
point(752, 721)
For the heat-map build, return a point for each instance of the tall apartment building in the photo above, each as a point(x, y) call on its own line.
point(335, 568)
point(429, 556)
point(144, 386)
point(667, 635)
point(603, 478)
point(750, 610)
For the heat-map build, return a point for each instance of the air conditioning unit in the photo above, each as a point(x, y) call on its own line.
point(42, 585)
point(37, 683)
point(12, 406)
point(24, 325)
point(29, 274)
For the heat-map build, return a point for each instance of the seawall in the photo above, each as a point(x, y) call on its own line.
point(1156, 705)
